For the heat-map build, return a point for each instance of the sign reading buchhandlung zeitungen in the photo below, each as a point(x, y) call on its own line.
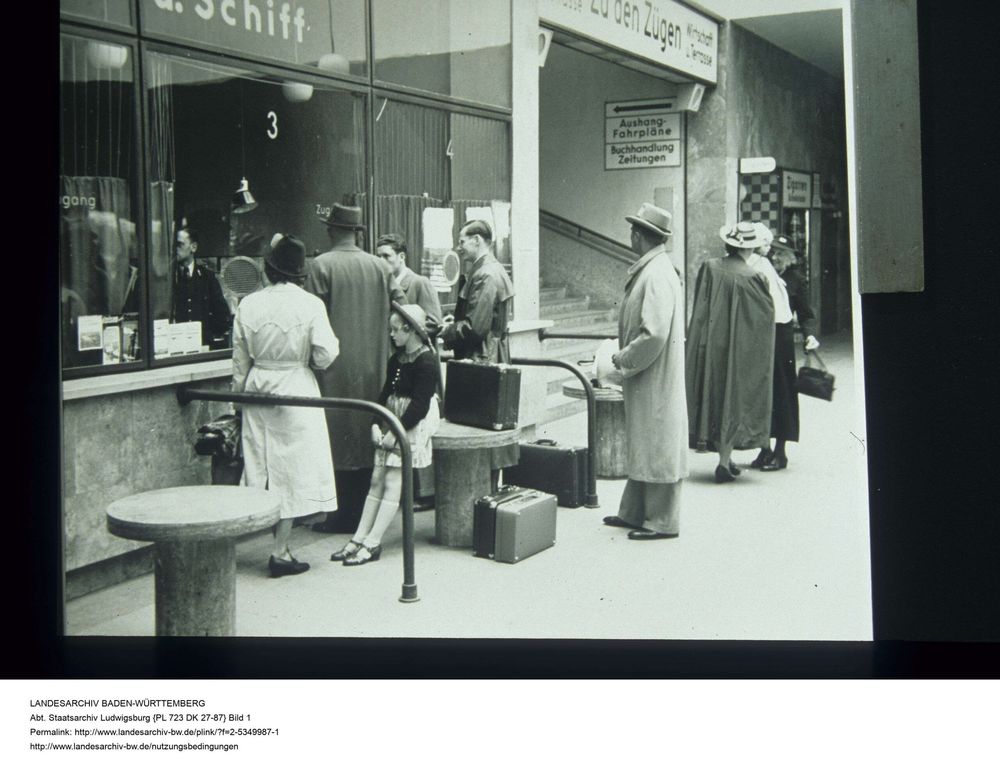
point(642, 133)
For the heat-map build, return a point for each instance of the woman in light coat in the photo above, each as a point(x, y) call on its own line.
point(280, 333)
point(651, 360)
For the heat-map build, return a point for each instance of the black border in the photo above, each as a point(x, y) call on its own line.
point(932, 420)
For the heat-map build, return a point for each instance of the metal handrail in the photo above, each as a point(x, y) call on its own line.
point(186, 393)
point(591, 496)
point(543, 334)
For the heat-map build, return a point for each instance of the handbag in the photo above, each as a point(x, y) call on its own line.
point(815, 382)
point(221, 438)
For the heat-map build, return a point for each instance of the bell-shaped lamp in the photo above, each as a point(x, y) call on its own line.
point(243, 200)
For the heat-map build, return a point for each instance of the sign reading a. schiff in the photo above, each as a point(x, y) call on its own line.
point(660, 31)
point(642, 133)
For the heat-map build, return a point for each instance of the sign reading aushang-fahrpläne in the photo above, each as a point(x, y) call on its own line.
point(660, 31)
point(642, 133)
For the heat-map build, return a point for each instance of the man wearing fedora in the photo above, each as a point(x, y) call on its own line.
point(651, 361)
point(357, 288)
point(730, 352)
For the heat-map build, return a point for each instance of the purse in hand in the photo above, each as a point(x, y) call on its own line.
point(815, 382)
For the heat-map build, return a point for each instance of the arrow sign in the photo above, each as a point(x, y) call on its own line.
point(634, 108)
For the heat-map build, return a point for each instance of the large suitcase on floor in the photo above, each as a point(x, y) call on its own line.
point(546, 466)
point(482, 394)
point(513, 524)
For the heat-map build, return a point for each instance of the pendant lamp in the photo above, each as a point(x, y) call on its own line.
point(243, 200)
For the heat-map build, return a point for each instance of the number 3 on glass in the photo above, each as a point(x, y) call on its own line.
point(272, 130)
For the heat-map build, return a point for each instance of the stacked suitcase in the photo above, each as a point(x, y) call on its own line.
point(513, 524)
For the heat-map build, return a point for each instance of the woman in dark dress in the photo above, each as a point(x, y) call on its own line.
point(785, 418)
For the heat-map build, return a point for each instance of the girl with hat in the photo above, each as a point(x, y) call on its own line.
point(280, 334)
point(730, 353)
point(410, 391)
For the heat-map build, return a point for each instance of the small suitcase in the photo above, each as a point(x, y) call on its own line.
point(559, 470)
point(513, 524)
point(482, 394)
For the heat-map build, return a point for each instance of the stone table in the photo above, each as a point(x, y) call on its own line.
point(611, 453)
point(194, 529)
point(461, 476)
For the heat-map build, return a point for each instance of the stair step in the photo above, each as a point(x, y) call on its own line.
point(551, 293)
point(560, 305)
point(559, 407)
point(577, 320)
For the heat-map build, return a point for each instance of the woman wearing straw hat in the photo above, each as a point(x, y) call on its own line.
point(281, 332)
point(730, 353)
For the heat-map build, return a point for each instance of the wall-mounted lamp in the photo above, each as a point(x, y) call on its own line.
point(544, 42)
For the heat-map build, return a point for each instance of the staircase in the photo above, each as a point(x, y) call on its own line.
point(576, 314)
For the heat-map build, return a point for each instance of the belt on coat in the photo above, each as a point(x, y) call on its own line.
point(279, 364)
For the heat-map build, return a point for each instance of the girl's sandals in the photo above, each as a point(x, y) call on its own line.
point(346, 552)
point(363, 555)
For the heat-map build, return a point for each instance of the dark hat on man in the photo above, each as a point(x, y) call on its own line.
point(782, 243)
point(344, 217)
point(653, 219)
point(288, 257)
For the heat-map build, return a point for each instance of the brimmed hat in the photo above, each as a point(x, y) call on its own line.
point(653, 219)
point(782, 243)
point(765, 233)
point(344, 217)
point(413, 315)
point(742, 235)
point(288, 257)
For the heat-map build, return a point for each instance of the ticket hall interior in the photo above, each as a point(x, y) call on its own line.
point(535, 114)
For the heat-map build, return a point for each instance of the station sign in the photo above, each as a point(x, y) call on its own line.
point(663, 32)
point(642, 133)
point(761, 165)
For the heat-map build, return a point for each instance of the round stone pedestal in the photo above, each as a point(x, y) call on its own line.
point(611, 453)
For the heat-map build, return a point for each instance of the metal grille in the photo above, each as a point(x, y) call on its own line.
point(241, 276)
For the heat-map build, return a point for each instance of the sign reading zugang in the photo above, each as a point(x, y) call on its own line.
point(659, 31)
point(297, 31)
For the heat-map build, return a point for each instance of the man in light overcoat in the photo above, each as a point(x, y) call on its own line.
point(651, 361)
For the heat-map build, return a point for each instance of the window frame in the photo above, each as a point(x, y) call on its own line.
point(368, 88)
point(141, 225)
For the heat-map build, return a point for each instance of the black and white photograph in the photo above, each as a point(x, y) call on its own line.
point(509, 320)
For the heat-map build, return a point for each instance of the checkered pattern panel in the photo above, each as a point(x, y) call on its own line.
point(761, 200)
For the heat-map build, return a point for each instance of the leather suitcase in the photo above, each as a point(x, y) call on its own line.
point(482, 394)
point(513, 524)
point(559, 470)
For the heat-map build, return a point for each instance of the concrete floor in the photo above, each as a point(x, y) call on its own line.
point(781, 556)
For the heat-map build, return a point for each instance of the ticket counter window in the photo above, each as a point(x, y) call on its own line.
point(99, 267)
point(434, 170)
point(235, 157)
point(456, 48)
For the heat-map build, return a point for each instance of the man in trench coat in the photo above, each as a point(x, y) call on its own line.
point(356, 288)
point(651, 361)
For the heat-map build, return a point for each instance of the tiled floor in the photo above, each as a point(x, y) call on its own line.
point(772, 556)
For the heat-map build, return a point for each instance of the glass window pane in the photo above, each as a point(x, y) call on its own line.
point(459, 48)
point(434, 171)
point(98, 256)
point(116, 11)
point(299, 147)
point(327, 34)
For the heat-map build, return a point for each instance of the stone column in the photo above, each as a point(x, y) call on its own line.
point(196, 588)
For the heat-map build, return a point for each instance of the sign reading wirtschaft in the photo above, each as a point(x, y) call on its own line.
point(660, 31)
point(642, 133)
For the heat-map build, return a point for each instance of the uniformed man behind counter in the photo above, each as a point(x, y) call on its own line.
point(197, 294)
point(485, 302)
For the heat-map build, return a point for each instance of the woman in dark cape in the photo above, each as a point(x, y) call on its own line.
point(730, 354)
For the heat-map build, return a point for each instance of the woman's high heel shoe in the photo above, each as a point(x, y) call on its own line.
point(358, 559)
point(346, 552)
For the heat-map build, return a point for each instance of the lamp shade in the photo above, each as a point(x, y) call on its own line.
point(296, 92)
point(106, 55)
point(334, 63)
point(243, 200)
